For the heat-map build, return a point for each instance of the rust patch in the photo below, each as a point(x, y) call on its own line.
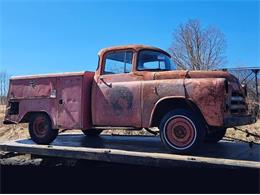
point(120, 97)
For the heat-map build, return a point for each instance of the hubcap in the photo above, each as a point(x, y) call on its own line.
point(180, 132)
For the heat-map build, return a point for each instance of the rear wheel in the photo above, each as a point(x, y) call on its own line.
point(40, 129)
point(181, 131)
point(216, 135)
point(92, 132)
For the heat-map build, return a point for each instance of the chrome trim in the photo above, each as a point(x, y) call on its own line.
point(239, 106)
point(237, 98)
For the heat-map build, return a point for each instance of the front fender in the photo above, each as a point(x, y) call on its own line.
point(209, 95)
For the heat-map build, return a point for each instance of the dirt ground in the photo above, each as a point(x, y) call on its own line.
point(12, 132)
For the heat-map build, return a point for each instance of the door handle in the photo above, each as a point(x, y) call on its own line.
point(106, 83)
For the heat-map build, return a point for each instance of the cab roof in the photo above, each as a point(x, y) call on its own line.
point(135, 47)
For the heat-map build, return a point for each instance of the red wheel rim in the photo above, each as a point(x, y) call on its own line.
point(180, 132)
point(40, 126)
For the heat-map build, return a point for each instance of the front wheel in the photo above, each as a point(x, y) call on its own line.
point(40, 129)
point(181, 131)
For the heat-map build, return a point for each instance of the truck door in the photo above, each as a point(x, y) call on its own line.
point(116, 95)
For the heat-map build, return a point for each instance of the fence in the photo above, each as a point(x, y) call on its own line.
point(249, 76)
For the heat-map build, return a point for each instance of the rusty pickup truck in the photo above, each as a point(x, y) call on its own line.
point(134, 87)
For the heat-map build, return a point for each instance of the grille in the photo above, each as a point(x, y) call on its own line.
point(237, 104)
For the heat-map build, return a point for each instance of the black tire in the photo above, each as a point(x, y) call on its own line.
point(92, 132)
point(40, 129)
point(182, 131)
point(216, 135)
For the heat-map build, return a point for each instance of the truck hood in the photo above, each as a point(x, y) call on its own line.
point(178, 74)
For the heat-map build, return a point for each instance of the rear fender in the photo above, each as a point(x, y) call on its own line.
point(26, 118)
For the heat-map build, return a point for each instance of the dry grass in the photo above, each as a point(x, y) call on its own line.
point(12, 132)
point(254, 129)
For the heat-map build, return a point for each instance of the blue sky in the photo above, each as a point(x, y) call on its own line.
point(62, 36)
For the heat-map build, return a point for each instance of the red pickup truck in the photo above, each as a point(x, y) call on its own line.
point(134, 87)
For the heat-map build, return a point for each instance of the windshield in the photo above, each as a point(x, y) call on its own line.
point(154, 61)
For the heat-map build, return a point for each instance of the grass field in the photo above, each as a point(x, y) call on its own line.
point(12, 132)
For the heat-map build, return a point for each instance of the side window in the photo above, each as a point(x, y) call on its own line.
point(118, 62)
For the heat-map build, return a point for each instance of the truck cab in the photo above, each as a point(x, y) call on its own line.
point(134, 87)
point(118, 84)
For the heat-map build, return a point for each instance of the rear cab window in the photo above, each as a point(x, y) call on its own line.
point(154, 61)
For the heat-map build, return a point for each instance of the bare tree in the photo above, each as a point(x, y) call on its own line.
point(197, 48)
point(3, 86)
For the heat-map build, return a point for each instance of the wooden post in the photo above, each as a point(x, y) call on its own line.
point(256, 83)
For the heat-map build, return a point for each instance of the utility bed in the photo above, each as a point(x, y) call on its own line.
point(64, 96)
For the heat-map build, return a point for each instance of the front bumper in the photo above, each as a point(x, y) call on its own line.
point(232, 121)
